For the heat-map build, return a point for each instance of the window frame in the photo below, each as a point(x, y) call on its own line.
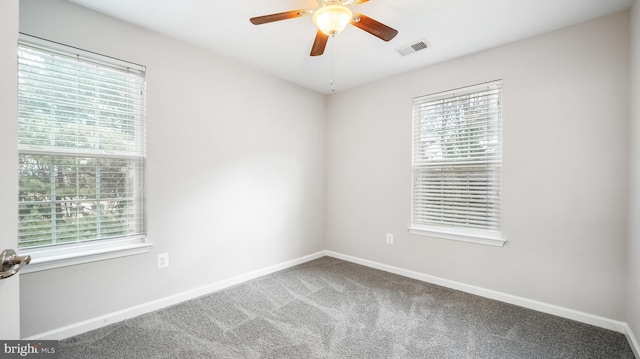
point(61, 255)
point(490, 237)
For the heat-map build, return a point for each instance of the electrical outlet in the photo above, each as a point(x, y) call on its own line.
point(389, 238)
point(163, 260)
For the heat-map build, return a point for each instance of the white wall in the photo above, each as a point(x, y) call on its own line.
point(566, 110)
point(235, 172)
point(633, 298)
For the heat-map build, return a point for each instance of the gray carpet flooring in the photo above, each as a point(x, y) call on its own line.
point(328, 308)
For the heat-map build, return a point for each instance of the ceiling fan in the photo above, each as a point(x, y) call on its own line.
point(331, 18)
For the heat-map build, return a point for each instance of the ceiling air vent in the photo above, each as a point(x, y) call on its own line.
point(414, 47)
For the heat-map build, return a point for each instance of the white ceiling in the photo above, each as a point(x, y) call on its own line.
point(452, 28)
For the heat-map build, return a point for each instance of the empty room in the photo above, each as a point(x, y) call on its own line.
point(320, 179)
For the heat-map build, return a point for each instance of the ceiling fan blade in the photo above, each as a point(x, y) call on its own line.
point(259, 20)
point(374, 27)
point(319, 44)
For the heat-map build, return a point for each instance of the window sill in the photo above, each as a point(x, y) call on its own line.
point(471, 236)
point(68, 255)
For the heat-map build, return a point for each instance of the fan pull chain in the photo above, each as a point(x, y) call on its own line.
point(333, 38)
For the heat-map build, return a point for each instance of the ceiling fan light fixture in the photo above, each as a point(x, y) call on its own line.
point(332, 19)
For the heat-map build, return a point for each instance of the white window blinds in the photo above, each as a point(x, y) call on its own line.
point(81, 141)
point(457, 160)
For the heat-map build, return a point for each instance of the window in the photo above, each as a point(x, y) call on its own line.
point(457, 164)
point(81, 142)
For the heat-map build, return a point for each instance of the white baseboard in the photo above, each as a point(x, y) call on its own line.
point(578, 316)
point(104, 320)
point(633, 342)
